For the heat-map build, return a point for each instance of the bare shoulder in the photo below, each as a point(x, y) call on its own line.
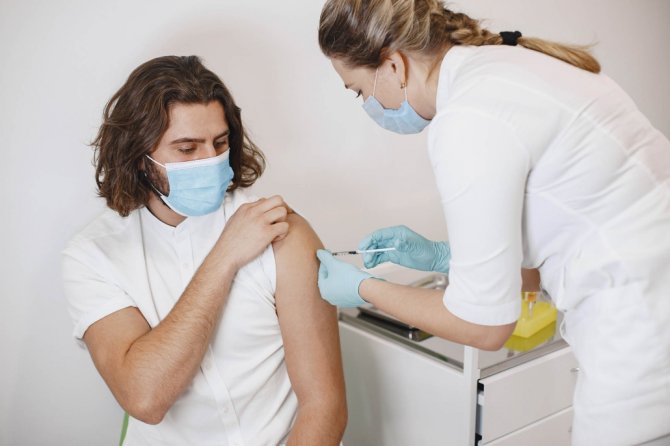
point(297, 264)
point(300, 238)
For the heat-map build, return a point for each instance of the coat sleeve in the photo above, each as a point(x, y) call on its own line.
point(481, 169)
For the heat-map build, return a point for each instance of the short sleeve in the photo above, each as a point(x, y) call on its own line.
point(90, 293)
point(263, 269)
point(481, 169)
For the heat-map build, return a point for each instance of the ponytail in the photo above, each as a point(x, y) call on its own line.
point(463, 30)
point(363, 32)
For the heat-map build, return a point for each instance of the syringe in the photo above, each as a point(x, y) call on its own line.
point(362, 251)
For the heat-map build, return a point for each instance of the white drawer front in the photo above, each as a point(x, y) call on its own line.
point(551, 431)
point(525, 394)
point(398, 397)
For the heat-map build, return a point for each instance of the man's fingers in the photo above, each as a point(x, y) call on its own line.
point(272, 202)
point(279, 230)
point(275, 215)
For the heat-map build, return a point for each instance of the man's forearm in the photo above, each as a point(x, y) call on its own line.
point(162, 363)
point(320, 423)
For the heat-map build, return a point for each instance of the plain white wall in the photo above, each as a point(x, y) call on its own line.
point(61, 61)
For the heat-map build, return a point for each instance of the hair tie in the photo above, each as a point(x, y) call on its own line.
point(510, 38)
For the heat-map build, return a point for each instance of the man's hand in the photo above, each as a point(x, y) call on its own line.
point(252, 228)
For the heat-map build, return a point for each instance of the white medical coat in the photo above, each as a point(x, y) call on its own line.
point(543, 165)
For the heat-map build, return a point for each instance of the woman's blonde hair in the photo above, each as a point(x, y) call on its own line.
point(363, 32)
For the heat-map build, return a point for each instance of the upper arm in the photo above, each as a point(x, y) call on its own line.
point(308, 323)
point(109, 340)
point(481, 169)
point(104, 316)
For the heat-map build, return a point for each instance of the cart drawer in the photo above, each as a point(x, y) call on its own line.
point(525, 394)
point(555, 430)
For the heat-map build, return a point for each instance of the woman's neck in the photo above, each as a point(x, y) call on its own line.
point(426, 70)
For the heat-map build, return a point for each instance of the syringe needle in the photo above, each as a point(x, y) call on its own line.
point(362, 251)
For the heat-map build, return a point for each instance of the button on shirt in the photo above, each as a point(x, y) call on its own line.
point(242, 394)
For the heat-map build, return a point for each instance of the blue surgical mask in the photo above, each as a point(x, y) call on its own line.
point(404, 120)
point(197, 187)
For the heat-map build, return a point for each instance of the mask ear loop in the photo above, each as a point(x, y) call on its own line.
point(151, 183)
point(374, 86)
point(156, 162)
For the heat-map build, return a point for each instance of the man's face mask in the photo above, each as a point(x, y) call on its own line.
point(197, 187)
point(404, 120)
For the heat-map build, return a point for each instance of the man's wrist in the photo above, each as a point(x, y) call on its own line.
point(224, 266)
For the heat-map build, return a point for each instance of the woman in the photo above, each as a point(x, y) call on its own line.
point(541, 162)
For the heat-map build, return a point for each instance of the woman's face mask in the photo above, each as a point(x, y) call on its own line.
point(197, 187)
point(404, 120)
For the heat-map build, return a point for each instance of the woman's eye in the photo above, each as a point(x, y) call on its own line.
point(186, 149)
point(221, 143)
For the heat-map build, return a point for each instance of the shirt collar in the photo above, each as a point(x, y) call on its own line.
point(190, 224)
point(155, 224)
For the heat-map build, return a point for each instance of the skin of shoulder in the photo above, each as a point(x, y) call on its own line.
point(311, 338)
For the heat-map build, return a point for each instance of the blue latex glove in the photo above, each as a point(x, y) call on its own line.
point(412, 250)
point(339, 281)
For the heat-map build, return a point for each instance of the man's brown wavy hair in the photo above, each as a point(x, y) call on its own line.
point(137, 116)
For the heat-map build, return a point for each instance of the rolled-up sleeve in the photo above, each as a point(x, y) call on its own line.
point(90, 293)
point(481, 169)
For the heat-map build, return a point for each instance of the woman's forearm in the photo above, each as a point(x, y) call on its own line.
point(423, 308)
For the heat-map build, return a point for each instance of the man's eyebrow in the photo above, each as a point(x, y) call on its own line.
point(182, 140)
point(198, 140)
point(225, 133)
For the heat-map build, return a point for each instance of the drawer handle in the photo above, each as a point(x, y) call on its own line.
point(575, 370)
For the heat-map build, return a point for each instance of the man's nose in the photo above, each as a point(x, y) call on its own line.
point(210, 150)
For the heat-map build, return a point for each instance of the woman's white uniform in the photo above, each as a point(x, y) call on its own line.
point(544, 165)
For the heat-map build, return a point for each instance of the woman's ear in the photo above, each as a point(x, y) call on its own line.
point(397, 64)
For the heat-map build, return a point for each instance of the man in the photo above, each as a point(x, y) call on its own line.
point(199, 306)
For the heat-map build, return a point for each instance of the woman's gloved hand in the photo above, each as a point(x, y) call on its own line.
point(412, 250)
point(339, 281)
